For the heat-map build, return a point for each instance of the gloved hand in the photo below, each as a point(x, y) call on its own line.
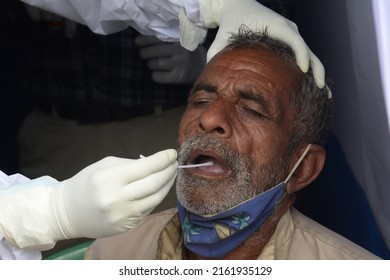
point(106, 198)
point(170, 63)
point(229, 15)
point(54, 21)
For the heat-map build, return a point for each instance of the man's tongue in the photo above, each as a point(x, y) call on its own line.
point(216, 168)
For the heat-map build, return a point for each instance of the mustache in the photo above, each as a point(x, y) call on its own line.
point(231, 157)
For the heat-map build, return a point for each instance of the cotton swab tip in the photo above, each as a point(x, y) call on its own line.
point(209, 163)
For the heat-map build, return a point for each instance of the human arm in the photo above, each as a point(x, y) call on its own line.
point(158, 18)
point(106, 198)
point(186, 21)
point(7, 250)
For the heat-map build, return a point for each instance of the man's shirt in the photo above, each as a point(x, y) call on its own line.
point(296, 237)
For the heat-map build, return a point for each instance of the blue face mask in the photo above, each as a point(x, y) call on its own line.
point(213, 236)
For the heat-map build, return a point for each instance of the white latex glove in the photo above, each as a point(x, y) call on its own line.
point(106, 198)
point(54, 21)
point(229, 15)
point(170, 63)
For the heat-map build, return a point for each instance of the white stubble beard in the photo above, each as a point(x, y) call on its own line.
point(211, 196)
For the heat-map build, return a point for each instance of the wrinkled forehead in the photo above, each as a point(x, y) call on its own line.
point(252, 64)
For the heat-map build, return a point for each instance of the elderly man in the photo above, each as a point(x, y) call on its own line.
point(262, 122)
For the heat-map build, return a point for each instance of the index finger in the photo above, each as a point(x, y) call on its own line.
point(135, 170)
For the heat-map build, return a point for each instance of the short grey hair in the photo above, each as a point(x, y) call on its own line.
point(311, 105)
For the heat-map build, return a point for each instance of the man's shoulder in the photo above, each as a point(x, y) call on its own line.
point(312, 240)
point(138, 243)
point(165, 214)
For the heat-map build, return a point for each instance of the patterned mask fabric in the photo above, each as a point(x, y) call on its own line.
point(213, 236)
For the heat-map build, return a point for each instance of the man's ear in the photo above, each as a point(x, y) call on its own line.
point(308, 170)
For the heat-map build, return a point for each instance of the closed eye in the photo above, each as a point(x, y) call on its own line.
point(198, 102)
point(201, 98)
point(201, 94)
point(253, 112)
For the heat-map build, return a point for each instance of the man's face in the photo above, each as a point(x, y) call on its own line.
point(238, 116)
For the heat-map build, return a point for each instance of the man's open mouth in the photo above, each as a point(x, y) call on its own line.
point(219, 167)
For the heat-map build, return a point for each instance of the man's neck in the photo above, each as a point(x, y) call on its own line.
point(251, 248)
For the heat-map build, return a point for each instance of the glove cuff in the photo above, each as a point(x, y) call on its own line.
point(60, 217)
point(190, 34)
point(211, 10)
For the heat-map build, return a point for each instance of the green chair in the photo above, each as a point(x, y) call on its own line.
point(75, 252)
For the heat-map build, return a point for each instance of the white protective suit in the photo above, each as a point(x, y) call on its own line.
point(7, 250)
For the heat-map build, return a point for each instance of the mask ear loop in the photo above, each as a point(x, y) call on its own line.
point(292, 172)
point(297, 163)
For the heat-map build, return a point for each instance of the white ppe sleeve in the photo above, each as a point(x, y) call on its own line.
point(7, 250)
point(25, 216)
point(158, 18)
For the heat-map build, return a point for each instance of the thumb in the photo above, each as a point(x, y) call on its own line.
point(215, 48)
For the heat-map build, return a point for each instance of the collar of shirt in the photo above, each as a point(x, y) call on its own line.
point(171, 247)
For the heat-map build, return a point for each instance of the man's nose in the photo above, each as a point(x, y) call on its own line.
point(216, 119)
